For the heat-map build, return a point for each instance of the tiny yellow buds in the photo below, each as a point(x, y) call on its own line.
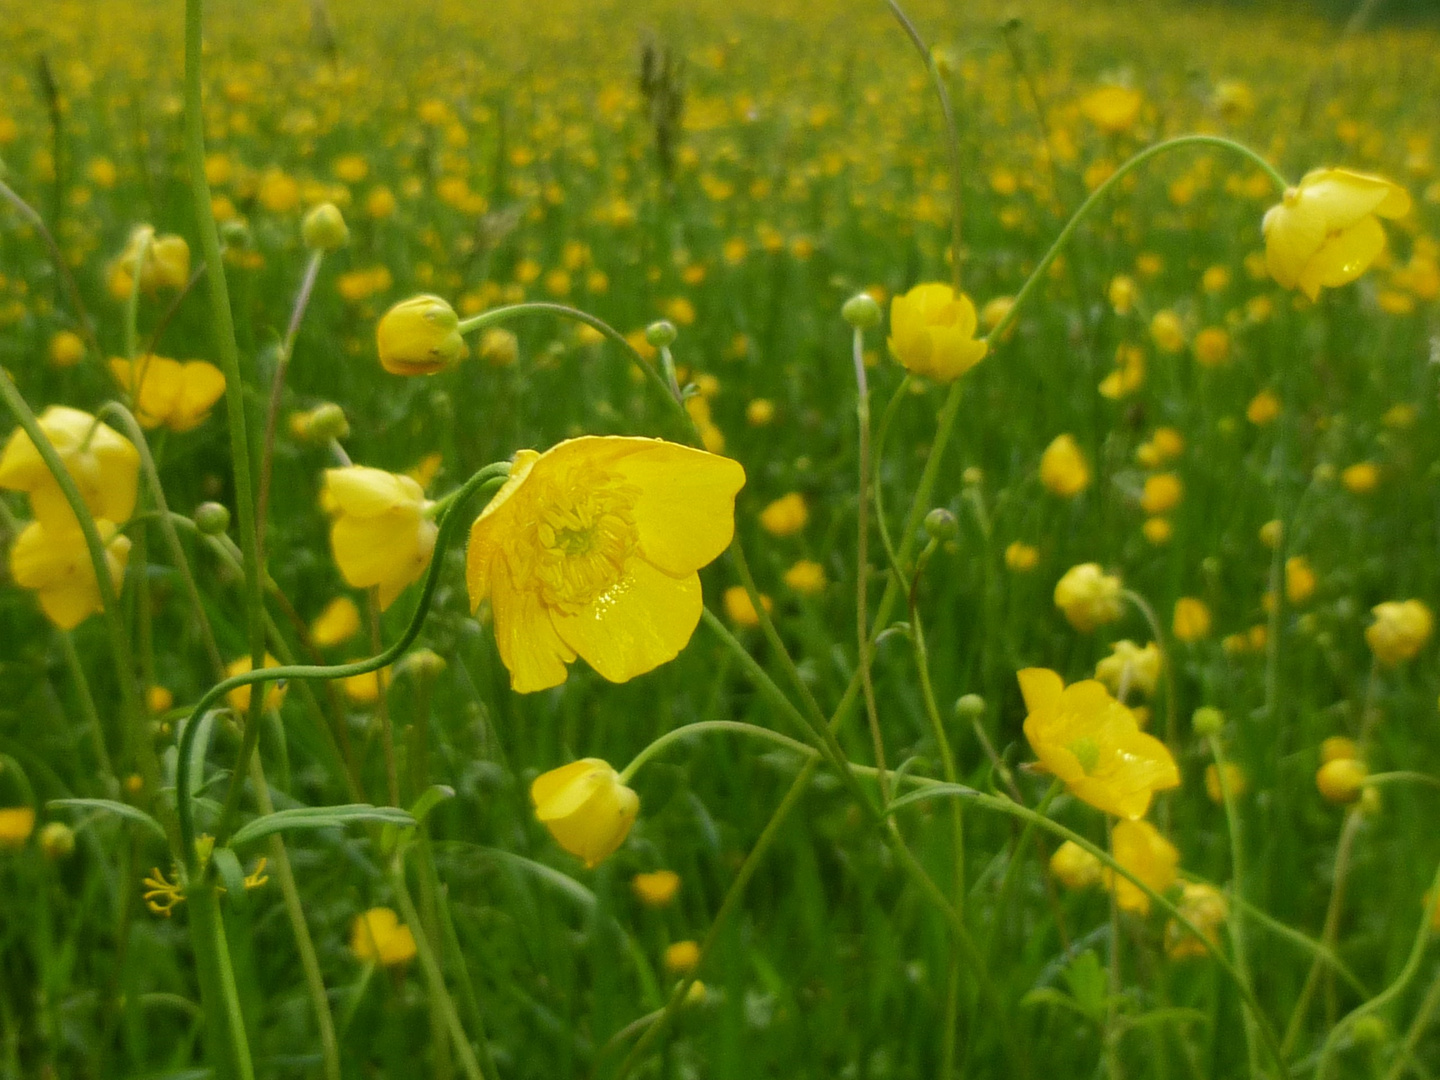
point(661, 334)
point(1088, 596)
point(932, 332)
point(586, 808)
point(321, 424)
point(324, 228)
point(1325, 232)
point(420, 336)
point(1063, 470)
point(376, 936)
point(1400, 630)
point(861, 311)
point(1074, 867)
point(1341, 780)
point(16, 825)
point(657, 888)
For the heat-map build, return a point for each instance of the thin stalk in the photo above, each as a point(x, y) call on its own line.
point(1236, 919)
point(1172, 726)
point(700, 727)
point(92, 715)
point(862, 563)
point(1112, 1033)
point(434, 977)
point(1423, 1018)
point(382, 706)
point(31, 215)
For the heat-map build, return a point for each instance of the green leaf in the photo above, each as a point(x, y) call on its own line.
point(119, 809)
point(1087, 980)
point(318, 817)
point(432, 797)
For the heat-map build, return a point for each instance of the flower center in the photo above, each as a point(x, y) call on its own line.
point(582, 536)
point(1087, 752)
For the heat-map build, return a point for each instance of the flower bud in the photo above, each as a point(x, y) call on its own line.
point(970, 707)
point(57, 840)
point(940, 524)
point(420, 336)
point(422, 664)
point(324, 229)
point(1207, 721)
point(661, 334)
point(861, 311)
point(212, 519)
point(586, 808)
point(326, 422)
point(1341, 781)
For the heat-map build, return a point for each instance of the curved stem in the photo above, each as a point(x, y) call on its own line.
point(492, 477)
point(676, 735)
point(877, 487)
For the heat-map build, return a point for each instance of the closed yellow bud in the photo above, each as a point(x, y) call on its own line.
point(586, 808)
point(381, 536)
point(420, 336)
point(1063, 470)
point(932, 332)
point(1341, 780)
point(1400, 630)
point(324, 228)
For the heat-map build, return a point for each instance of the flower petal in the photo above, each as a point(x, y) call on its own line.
point(685, 513)
point(529, 646)
point(1344, 256)
point(1041, 688)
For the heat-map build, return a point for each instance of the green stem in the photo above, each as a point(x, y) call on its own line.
point(221, 1000)
point(702, 726)
point(1112, 1033)
point(1237, 892)
point(1172, 726)
point(92, 715)
point(1423, 1018)
point(434, 977)
point(862, 562)
point(491, 477)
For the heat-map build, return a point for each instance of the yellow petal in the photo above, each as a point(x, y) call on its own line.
point(560, 792)
point(1291, 238)
point(1041, 688)
point(526, 638)
point(1340, 197)
point(366, 492)
point(488, 533)
point(641, 623)
point(1343, 257)
point(685, 513)
point(201, 385)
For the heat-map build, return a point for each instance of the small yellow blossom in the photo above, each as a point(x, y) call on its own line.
point(1158, 530)
point(1340, 781)
point(499, 347)
point(806, 577)
point(1271, 533)
point(657, 888)
point(592, 549)
point(586, 808)
point(1264, 408)
point(740, 609)
point(67, 349)
point(1112, 109)
point(55, 563)
point(380, 534)
point(760, 412)
point(377, 936)
point(1338, 748)
point(1299, 579)
point(1162, 493)
point(1325, 232)
point(420, 336)
point(1167, 331)
point(1088, 596)
point(1063, 470)
point(16, 825)
point(1361, 478)
point(682, 957)
point(1400, 630)
point(1021, 557)
point(1074, 867)
point(103, 463)
point(1235, 780)
point(1093, 744)
point(1140, 849)
point(179, 396)
point(1192, 619)
point(1212, 347)
point(785, 516)
point(932, 332)
point(158, 700)
point(1206, 908)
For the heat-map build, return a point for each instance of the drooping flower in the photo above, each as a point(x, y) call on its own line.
point(380, 535)
point(1063, 470)
point(420, 336)
point(1088, 596)
point(1140, 849)
point(168, 392)
point(1325, 232)
point(1094, 745)
point(592, 549)
point(1400, 630)
point(377, 936)
point(1131, 667)
point(55, 562)
point(103, 463)
point(932, 332)
point(586, 808)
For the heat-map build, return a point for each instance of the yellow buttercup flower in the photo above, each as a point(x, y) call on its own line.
point(1192, 619)
point(1088, 596)
point(1299, 579)
point(1162, 493)
point(1130, 667)
point(67, 349)
point(806, 577)
point(592, 549)
point(376, 936)
point(1206, 908)
point(168, 392)
point(55, 562)
point(1093, 744)
point(1113, 109)
point(16, 825)
point(1340, 781)
point(420, 336)
point(932, 332)
point(1167, 331)
point(739, 608)
point(1074, 867)
point(239, 698)
point(1140, 849)
point(1400, 630)
point(657, 888)
point(166, 265)
point(381, 536)
point(785, 516)
point(586, 808)
point(1063, 470)
point(682, 957)
point(1325, 232)
point(338, 623)
point(1264, 408)
point(103, 463)
point(1361, 478)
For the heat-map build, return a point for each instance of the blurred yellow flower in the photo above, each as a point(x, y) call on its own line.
point(1140, 849)
point(1340, 781)
point(159, 699)
point(168, 392)
point(1271, 533)
point(1021, 557)
point(932, 332)
point(1063, 470)
point(759, 412)
point(1074, 867)
point(806, 577)
point(1206, 908)
point(739, 608)
point(682, 957)
point(1158, 530)
point(1299, 579)
point(1325, 232)
point(1400, 630)
point(1235, 780)
point(1088, 596)
point(1212, 347)
point(1167, 331)
point(1112, 109)
point(1338, 748)
point(1162, 493)
point(785, 516)
point(165, 265)
point(586, 808)
point(338, 623)
point(1361, 478)
point(657, 888)
point(66, 349)
point(592, 548)
point(55, 563)
point(376, 936)
point(380, 534)
point(1129, 667)
point(1263, 409)
point(239, 698)
point(1093, 744)
point(499, 347)
point(103, 463)
point(1192, 619)
point(420, 336)
point(16, 825)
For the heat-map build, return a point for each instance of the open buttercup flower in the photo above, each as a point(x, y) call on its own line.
point(592, 549)
point(55, 562)
point(103, 463)
point(177, 395)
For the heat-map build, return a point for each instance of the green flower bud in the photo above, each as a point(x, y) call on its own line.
point(661, 334)
point(1207, 721)
point(324, 229)
point(212, 519)
point(969, 708)
point(861, 311)
point(327, 421)
point(941, 525)
point(57, 840)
